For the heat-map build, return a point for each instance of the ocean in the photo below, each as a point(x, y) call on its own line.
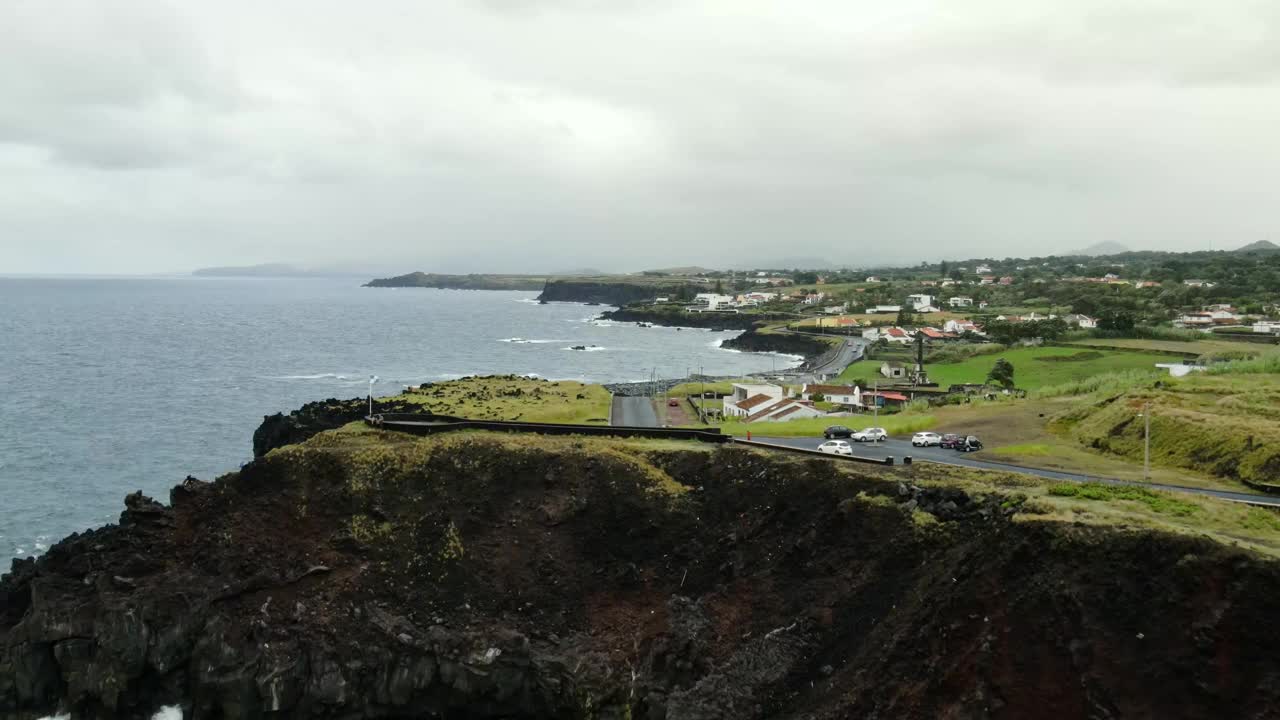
point(116, 385)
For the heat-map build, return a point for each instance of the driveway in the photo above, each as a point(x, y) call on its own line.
point(633, 411)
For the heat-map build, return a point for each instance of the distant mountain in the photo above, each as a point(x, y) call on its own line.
point(1101, 249)
point(268, 270)
point(686, 270)
point(1260, 246)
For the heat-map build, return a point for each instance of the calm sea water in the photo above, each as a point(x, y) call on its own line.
point(115, 385)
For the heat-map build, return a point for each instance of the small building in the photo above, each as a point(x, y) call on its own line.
point(960, 301)
point(1267, 326)
point(1198, 283)
point(710, 302)
point(893, 369)
point(873, 279)
point(982, 304)
point(747, 398)
point(897, 335)
point(784, 410)
point(987, 280)
point(838, 394)
point(1194, 320)
point(916, 302)
point(883, 398)
point(981, 269)
point(1080, 321)
point(1006, 280)
point(884, 309)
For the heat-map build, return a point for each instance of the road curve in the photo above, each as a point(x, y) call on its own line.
point(899, 449)
point(633, 411)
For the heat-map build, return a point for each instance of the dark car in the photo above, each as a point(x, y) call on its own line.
point(970, 444)
point(951, 441)
point(673, 403)
point(837, 431)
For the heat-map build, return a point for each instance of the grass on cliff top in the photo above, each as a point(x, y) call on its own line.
point(1039, 500)
point(513, 397)
point(1117, 506)
point(1033, 367)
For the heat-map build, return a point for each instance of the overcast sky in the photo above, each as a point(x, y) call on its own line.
point(511, 135)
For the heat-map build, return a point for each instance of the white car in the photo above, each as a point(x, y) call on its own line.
point(836, 447)
point(925, 439)
point(870, 435)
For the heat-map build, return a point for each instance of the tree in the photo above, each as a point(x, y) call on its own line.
point(719, 287)
point(1001, 374)
point(805, 278)
point(944, 268)
point(905, 316)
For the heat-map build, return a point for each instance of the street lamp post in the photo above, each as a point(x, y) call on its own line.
point(1146, 442)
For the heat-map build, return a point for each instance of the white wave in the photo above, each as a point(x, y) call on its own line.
point(56, 717)
point(523, 341)
point(41, 547)
point(318, 376)
point(168, 712)
point(717, 343)
point(529, 301)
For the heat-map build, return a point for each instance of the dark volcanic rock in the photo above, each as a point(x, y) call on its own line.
point(677, 317)
point(486, 577)
point(604, 293)
point(788, 343)
point(279, 430)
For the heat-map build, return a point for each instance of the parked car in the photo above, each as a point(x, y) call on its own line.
point(836, 447)
point(836, 431)
point(870, 435)
point(925, 439)
point(970, 444)
point(673, 403)
point(950, 441)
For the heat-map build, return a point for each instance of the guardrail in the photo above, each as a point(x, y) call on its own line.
point(433, 424)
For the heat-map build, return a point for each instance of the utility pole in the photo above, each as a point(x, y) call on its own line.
point(1146, 442)
point(372, 379)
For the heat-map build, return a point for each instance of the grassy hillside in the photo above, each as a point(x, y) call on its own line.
point(1223, 425)
point(1034, 367)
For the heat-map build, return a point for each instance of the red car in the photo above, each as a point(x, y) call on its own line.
point(951, 441)
point(673, 403)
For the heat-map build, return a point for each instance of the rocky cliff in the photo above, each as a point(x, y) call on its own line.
point(364, 574)
point(605, 292)
point(789, 343)
point(677, 317)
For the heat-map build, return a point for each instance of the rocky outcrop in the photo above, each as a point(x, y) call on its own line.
point(605, 293)
point(677, 317)
point(279, 430)
point(788, 343)
point(461, 282)
point(376, 575)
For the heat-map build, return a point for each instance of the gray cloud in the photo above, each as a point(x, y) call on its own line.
point(540, 134)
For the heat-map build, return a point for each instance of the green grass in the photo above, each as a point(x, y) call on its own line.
point(1025, 450)
point(1182, 347)
point(1034, 367)
point(512, 397)
point(895, 425)
point(1161, 502)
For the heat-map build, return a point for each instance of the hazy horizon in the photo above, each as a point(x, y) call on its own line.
point(537, 135)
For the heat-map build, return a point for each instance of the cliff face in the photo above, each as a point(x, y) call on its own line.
point(605, 293)
point(367, 574)
point(315, 417)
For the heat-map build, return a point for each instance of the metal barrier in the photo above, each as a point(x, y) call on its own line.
point(432, 424)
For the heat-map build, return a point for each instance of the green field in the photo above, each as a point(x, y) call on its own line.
point(1033, 367)
point(1198, 347)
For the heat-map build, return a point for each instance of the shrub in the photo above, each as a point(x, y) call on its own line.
point(1113, 382)
point(957, 352)
point(1160, 502)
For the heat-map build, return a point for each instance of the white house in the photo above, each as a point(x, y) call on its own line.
point(884, 309)
point(960, 327)
point(1191, 320)
point(712, 301)
point(893, 369)
point(919, 302)
point(838, 394)
point(960, 301)
point(897, 335)
point(1198, 283)
point(782, 411)
point(749, 397)
point(1080, 321)
point(982, 269)
point(1267, 326)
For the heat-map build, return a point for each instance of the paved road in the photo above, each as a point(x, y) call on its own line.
point(899, 449)
point(633, 411)
point(850, 352)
